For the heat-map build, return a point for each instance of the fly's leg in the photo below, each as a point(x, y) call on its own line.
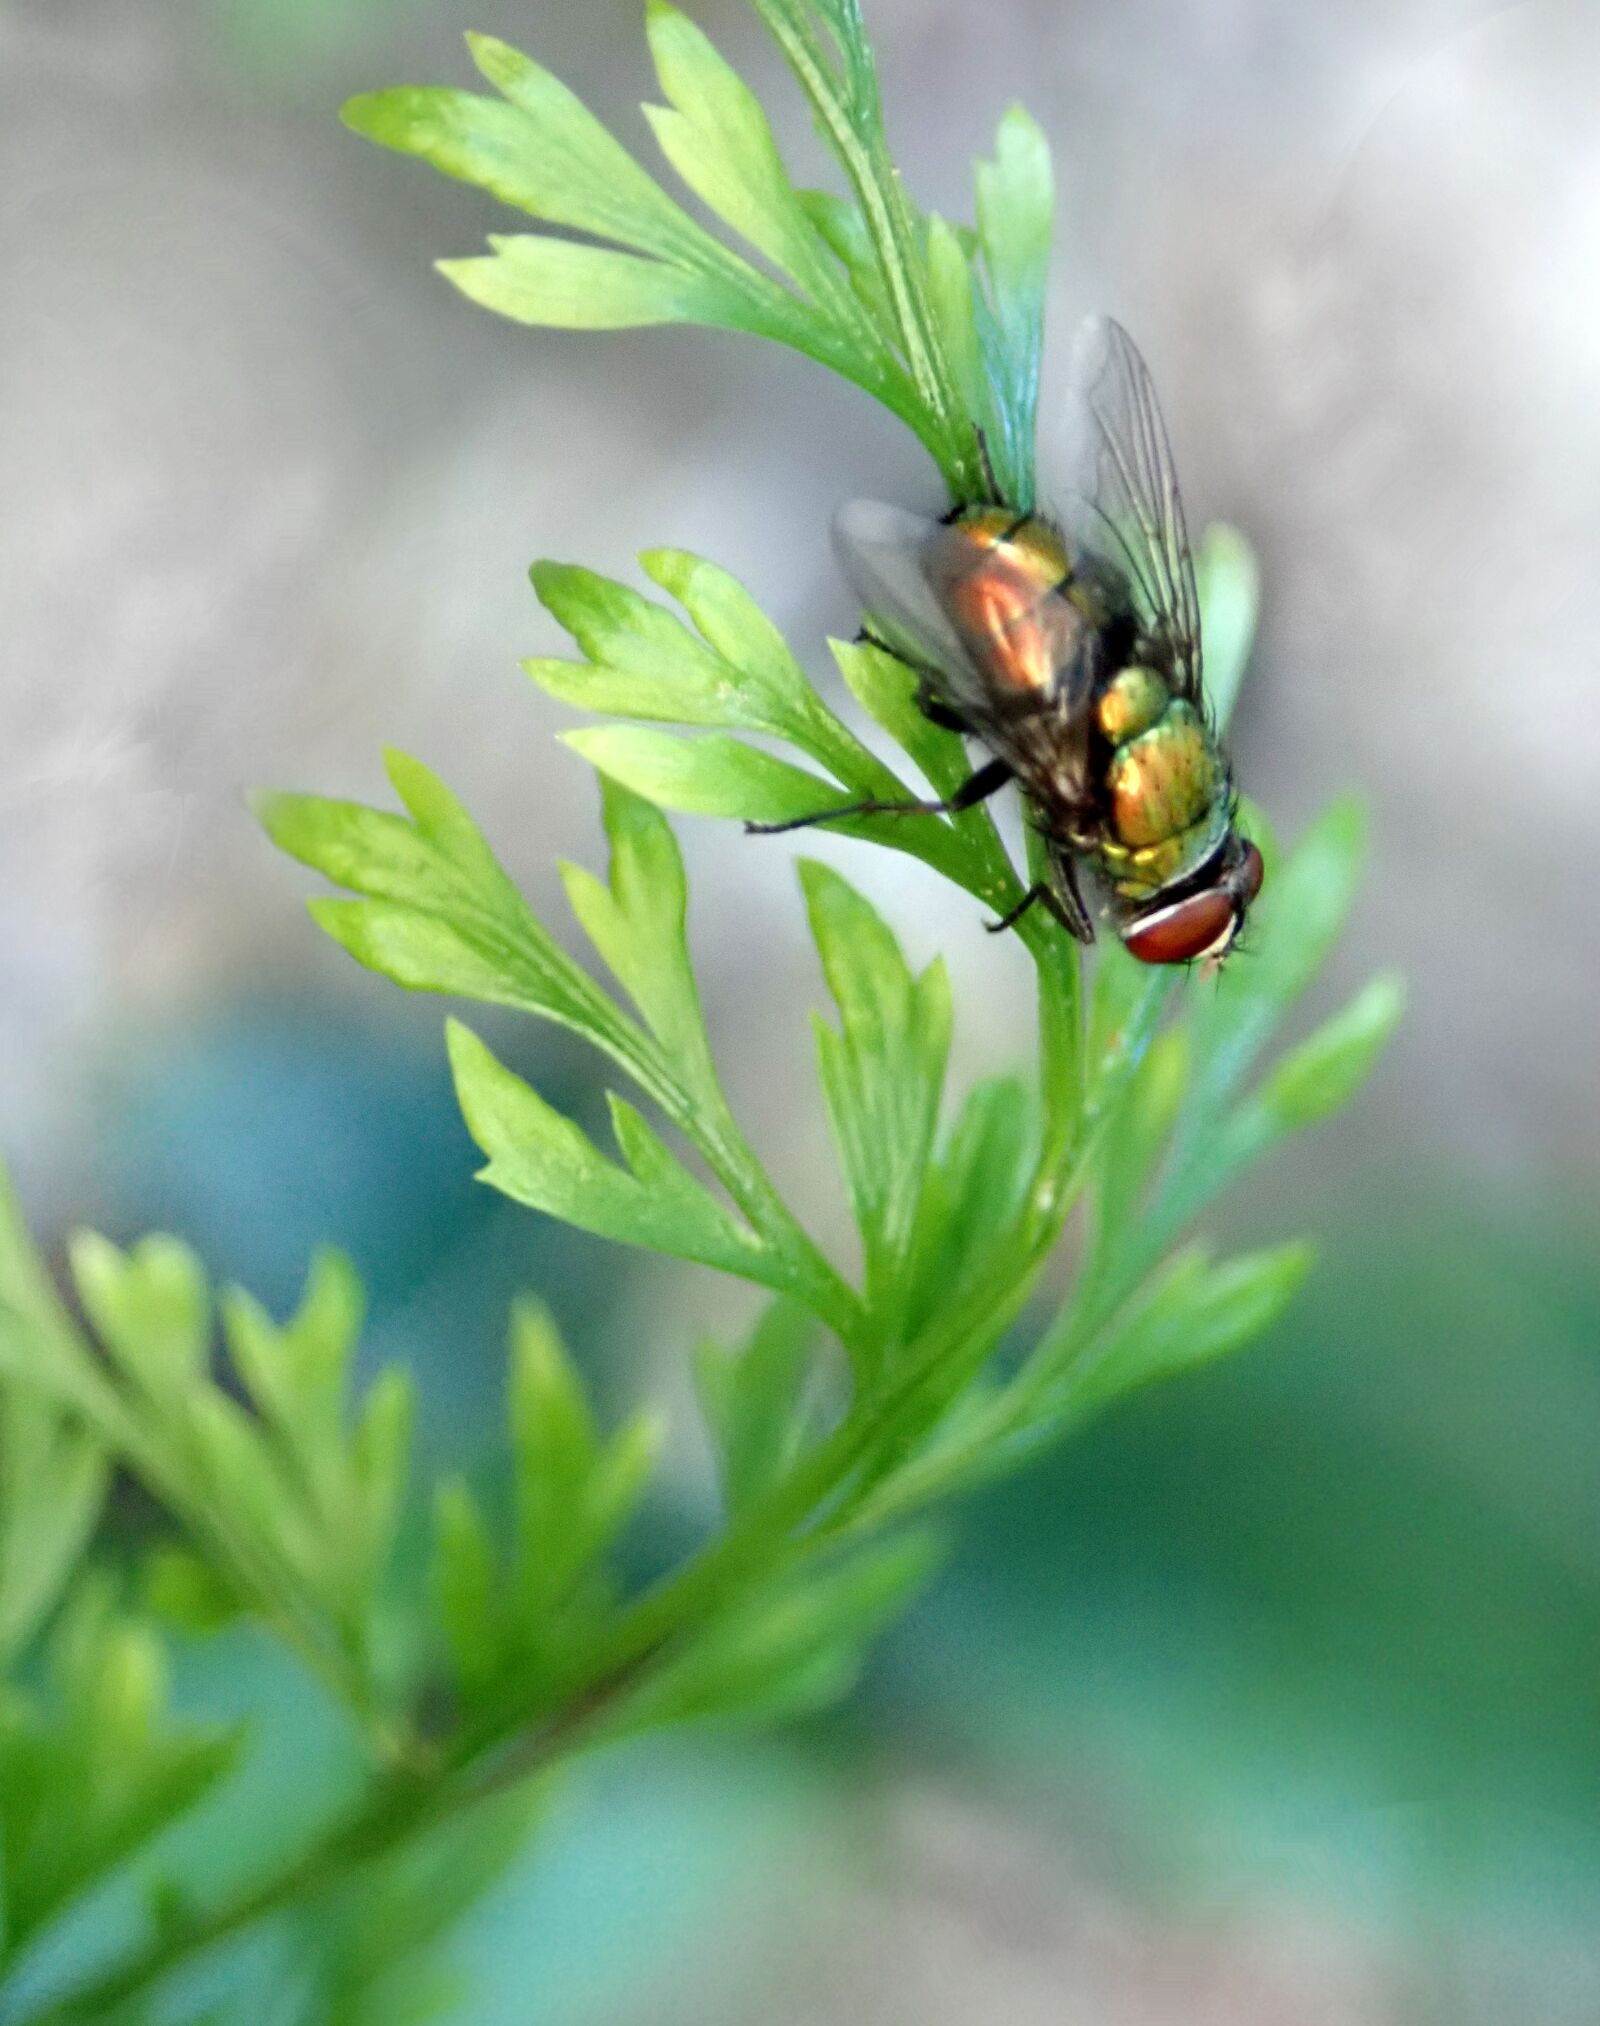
point(991, 485)
point(1061, 897)
point(1038, 891)
point(988, 465)
point(927, 698)
point(983, 784)
point(937, 712)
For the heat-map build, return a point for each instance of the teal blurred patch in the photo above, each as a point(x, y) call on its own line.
point(1330, 1613)
point(653, 1857)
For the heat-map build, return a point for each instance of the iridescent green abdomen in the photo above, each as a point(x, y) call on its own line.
point(1166, 788)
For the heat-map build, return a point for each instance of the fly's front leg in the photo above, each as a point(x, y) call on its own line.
point(1069, 908)
point(1060, 896)
point(983, 784)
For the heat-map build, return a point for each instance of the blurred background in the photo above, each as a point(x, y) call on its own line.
point(1275, 1699)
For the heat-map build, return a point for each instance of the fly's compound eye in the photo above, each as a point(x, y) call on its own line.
point(1201, 926)
point(1251, 873)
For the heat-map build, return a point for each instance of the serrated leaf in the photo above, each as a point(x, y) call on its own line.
point(53, 1479)
point(742, 637)
point(442, 916)
point(1325, 1071)
point(1229, 584)
point(464, 1582)
point(561, 284)
point(795, 1648)
point(1294, 926)
point(882, 1070)
point(538, 1157)
point(886, 690)
point(439, 914)
point(1016, 212)
point(542, 151)
point(737, 674)
point(710, 776)
point(298, 1378)
point(1195, 1313)
point(645, 663)
point(149, 1307)
point(973, 1195)
point(754, 1402)
point(545, 153)
point(719, 140)
point(637, 922)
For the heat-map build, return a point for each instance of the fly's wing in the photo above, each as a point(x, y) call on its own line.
point(887, 555)
point(1125, 509)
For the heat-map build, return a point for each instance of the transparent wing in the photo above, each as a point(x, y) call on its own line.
point(1124, 507)
point(887, 554)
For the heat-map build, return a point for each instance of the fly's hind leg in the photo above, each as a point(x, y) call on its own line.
point(986, 782)
point(991, 485)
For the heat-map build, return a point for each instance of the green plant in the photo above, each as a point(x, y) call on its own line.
point(858, 1401)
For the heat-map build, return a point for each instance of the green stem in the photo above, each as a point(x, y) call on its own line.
point(389, 1815)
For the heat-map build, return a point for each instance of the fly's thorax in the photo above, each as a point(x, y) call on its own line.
point(1165, 779)
point(1166, 795)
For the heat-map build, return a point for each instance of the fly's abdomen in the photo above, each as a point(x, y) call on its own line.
point(1166, 789)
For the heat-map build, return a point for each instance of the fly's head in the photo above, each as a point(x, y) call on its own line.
point(1204, 924)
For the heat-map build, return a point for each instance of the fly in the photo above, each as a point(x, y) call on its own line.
point(1070, 650)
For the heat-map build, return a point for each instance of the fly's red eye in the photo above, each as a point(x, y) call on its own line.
point(1251, 872)
point(1177, 935)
